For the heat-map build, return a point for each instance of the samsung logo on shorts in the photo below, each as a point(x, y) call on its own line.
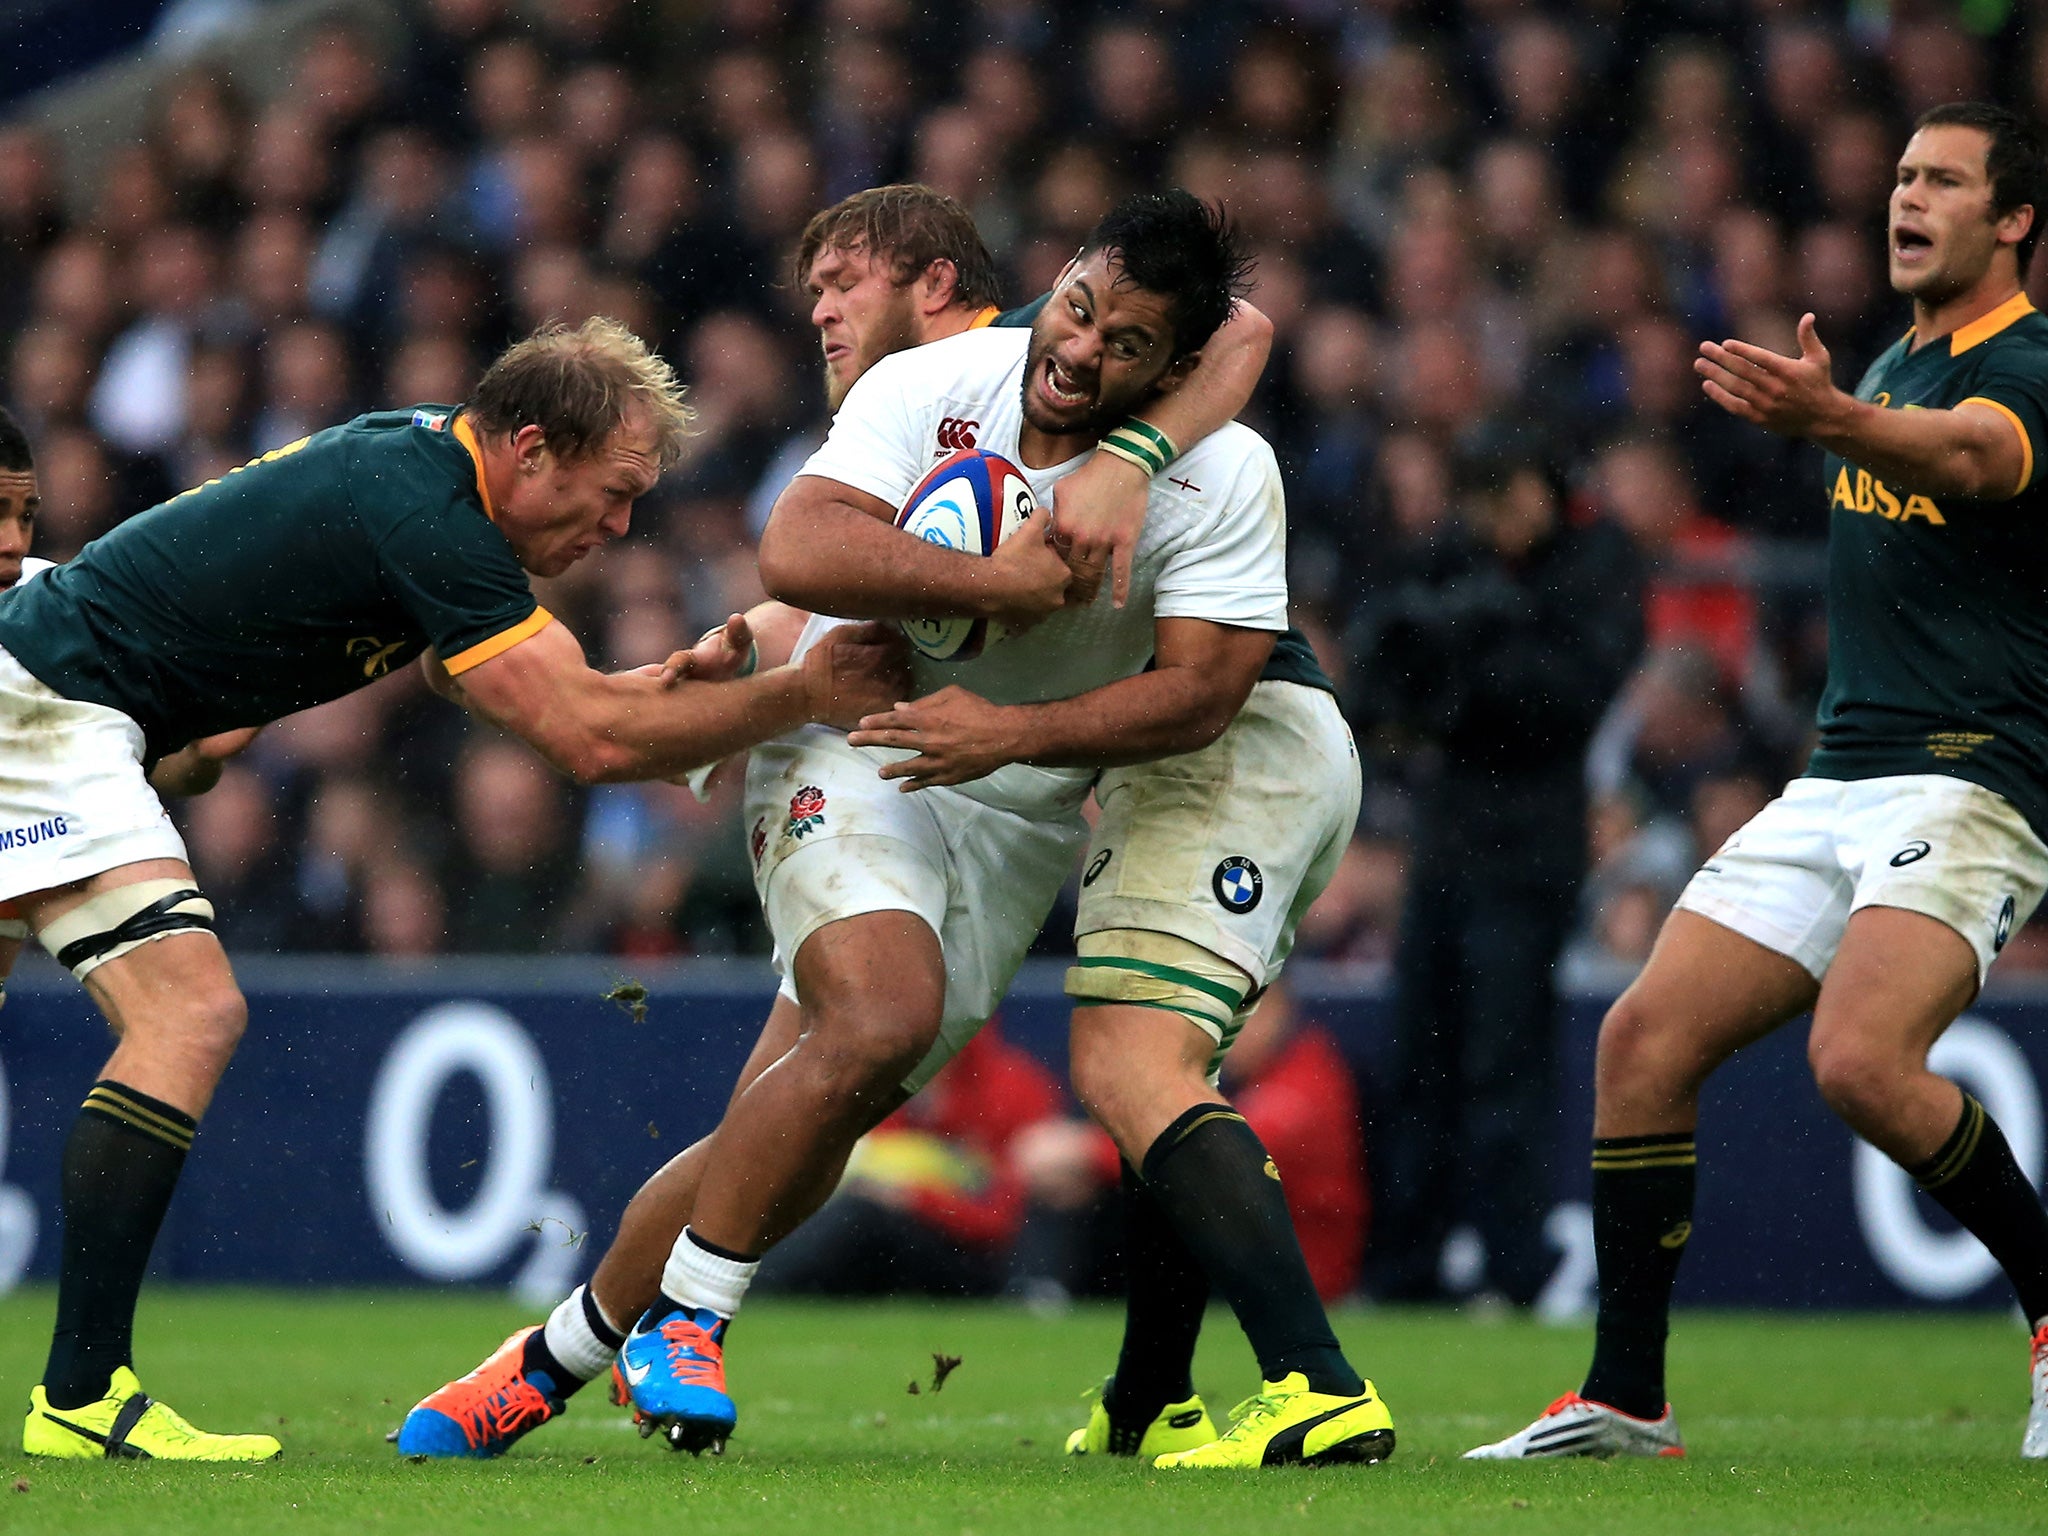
point(34, 832)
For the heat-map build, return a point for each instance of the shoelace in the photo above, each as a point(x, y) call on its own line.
point(1261, 1405)
point(1562, 1403)
point(694, 1355)
point(508, 1410)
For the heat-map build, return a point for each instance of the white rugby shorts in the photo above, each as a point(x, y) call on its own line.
point(74, 801)
point(1228, 846)
point(1928, 843)
point(831, 839)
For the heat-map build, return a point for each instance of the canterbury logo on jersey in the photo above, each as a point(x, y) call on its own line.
point(1864, 492)
point(956, 433)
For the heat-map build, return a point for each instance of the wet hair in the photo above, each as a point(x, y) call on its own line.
point(2015, 162)
point(1183, 249)
point(16, 457)
point(577, 385)
point(910, 226)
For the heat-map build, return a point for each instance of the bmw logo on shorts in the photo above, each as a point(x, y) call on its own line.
point(1238, 884)
point(2004, 931)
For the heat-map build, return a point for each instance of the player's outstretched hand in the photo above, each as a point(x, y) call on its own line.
point(1030, 575)
point(721, 654)
point(1097, 514)
point(856, 670)
point(956, 735)
point(1794, 396)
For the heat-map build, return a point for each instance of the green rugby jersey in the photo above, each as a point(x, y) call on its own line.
point(1293, 659)
point(297, 578)
point(1938, 606)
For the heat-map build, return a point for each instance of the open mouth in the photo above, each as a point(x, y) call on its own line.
point(1062, 388)
point(1910, 243)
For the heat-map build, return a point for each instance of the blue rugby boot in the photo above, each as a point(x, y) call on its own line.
point(674, 1365)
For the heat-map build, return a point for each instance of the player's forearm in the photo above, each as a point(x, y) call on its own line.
point(628, 726)
point(1133, 720)
point(1222, 382)
point(830, 558)
point(1931, 453)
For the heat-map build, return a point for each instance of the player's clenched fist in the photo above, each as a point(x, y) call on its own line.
point(1029, 576)
point(856, 670)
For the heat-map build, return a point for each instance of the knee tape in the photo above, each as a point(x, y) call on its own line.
point(1138, 968)
point(108, 925)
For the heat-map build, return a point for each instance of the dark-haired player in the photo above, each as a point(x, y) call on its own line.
point(901, 918)
point(1879, 888)
point(296, 579)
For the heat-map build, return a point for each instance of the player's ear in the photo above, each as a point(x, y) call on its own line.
point(938, 285)
point(2014, 224)
point(1177, 372)
point(529, 447)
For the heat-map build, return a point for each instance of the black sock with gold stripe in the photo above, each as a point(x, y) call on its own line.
point(1212, 1179)
point(120, 1167)
point(1976, 1179)
point(1642, 1216)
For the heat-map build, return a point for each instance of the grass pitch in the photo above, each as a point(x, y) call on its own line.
point(1812, 1424)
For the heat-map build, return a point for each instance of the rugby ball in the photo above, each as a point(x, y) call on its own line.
point(971, 502)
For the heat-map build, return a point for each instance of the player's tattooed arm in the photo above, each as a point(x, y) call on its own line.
point(1099, 510)
point(1971, 450)
point(831, 548)
point(615, 727)
point(1201, 675)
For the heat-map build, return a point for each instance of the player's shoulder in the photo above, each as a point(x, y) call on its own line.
point(2022, 344)
point(972, 368)
point(411, 463)
point(1232, 453)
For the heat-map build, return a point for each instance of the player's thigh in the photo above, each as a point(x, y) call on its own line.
point(1228, 847)
point(832, 843)
point(1899, 979)
point(139, 936)
point(1948, 850)
point(1946, 870)
point(1007, 870)
point(1705, 993)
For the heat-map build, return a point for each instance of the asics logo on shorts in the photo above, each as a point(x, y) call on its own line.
point(2004, 929)
point(35, 832)
point(956, 433)
point(1912, 853)
point(1096, 866)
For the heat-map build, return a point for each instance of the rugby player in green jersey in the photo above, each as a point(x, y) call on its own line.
point(309, 573)
point(1879, 888)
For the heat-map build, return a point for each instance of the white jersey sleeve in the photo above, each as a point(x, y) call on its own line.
point(877, 441)
point(1230, 568)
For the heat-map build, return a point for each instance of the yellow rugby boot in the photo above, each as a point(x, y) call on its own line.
point(1287, 1425)
point(1177, 1427)
point(127, 1422)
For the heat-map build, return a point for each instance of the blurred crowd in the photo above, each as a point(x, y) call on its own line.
point(1467, 213)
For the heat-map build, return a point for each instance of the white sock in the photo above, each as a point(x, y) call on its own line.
point(699, 1278)
point(572, 1340)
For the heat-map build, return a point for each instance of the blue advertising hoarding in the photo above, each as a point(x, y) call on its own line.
point(483, 1122)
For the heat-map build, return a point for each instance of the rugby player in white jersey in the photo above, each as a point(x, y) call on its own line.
point(191, 770)
point(888, 268)
point(902, 917)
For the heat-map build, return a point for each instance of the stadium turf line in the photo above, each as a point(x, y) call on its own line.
point(1811, 1424)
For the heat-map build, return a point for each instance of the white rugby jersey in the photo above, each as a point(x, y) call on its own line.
point(1214, 544)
